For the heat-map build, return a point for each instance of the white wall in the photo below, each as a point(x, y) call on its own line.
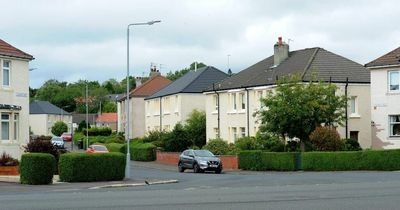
point(41, 124)
point(383, 104)
point(16, 94)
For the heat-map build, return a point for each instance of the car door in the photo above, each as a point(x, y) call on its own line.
point(190, 159)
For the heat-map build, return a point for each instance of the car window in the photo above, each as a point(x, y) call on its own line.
point(186, 153)
point(191, 153)
point(100, 148)
point(203, 153)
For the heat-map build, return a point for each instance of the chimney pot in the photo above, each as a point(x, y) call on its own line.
point(280, 40)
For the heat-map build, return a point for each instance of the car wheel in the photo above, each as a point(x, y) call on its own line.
point(218, 171)
point(196, 168)
point(180, 167)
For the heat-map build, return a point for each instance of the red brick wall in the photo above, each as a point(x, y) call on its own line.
point(230, 162)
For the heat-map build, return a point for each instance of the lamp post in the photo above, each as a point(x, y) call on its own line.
point(128, 154)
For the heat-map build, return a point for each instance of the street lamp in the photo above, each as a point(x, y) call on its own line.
point(128, 153)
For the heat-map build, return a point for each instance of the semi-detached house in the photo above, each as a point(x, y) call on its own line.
point(14, 99)
point(230, 105)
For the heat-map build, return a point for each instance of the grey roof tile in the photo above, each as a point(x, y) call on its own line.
point(45, 107)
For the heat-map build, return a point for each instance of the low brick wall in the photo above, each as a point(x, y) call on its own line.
point(230, 162)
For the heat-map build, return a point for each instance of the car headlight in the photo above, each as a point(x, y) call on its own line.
point(203, 162)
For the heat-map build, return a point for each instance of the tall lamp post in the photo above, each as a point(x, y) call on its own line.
point(128, 153)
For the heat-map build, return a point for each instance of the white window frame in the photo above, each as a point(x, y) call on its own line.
point(9, 73)
point(148, 108)
point(156, 107)
point(216, 132)
point(166, 105)
point(390, 80)
point(393, 123)
point(354, 107)
point(242, 99)
point(243, 132)
point(234, 104)
point(234, 134)
point(215, 102)
point(16, 126)
point(259, 98)
point(1, 125)
point(176, 104)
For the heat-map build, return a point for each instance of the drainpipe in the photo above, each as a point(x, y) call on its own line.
point(160, 113)
point(248, 112)
point(345, 93)
point(218, 114)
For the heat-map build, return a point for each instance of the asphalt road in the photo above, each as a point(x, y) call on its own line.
point(231, 190)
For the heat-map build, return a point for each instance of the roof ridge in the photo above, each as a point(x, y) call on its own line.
point(309, 62)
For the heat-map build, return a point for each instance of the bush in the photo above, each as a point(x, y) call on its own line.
point(141, 151)
point(326, 139)
point(7, 160)
point(277, 161)
point(217, 147)
point(387, 160)
point(270, 142)
point(98, 131)
point(196, 128)
point(114, 138)
point(248, 143)
point(351, 145)
point(58, 128)
point(158, 138)
point(82, 125)
point(177, 140)
point(114, 147)
point(37, 168)
point(83, 167)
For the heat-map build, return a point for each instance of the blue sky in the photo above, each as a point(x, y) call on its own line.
point(74, 40)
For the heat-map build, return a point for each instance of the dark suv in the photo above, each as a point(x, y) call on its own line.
point(199, 161)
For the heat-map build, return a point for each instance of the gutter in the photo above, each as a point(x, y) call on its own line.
point(218, 118)
point(347, 120)
point(160, 113)
point(248, 112)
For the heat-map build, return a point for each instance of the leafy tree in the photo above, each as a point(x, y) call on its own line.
point(109, 107)
point(217, 146)
point(177, 74)
point(82, 125)
point(177, 140)
point(58, 128)
point(196, 128)
point(295, 109)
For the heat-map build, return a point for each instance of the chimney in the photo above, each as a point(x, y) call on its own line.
point(281, 51)
point(154, 72)
point(138, 81)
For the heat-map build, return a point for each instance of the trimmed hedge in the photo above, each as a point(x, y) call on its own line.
point(114, 147)
point(384, 160)
point(83, 167)
point(278, 161)
point(141, 151)
point(37, 168)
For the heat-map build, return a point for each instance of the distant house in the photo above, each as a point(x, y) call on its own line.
point(137, 105)
point(14, 99)
point(174, 103)
point(233, 101)
point(107, 120)
point(79, 117)
point(385, 100)
point(43, 115)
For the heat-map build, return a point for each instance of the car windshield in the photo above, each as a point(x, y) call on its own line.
point(99, 148)
point(57, 139)
point(203, 153)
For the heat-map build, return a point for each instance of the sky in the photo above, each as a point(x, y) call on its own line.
point(87, 39)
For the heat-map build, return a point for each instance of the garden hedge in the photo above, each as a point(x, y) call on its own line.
point(141, 151)
point(84, 167)
point(383, 160)
point(114, 147)
point(276, 161)
point(37, 168)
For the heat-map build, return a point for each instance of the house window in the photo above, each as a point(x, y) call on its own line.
point(6, 73)
point(394, 80)
point(354, 135)
point(216, 132)
point(234, 134)
point(16, 126)
point(234, 106)
point(176, 104)
point(147, 108)
point(5, 126)
point(156, 107)
point(259, 98)
point(353, 105)
point(394, 125)
point(242, 100)
point(166, 106)
point(242, 132)
point(215, 102)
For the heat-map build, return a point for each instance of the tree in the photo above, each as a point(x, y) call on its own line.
point(58, 128)
point(109, 107)
point(196, 128)
point(177, 140)
point(297, 108)
point(177, 74)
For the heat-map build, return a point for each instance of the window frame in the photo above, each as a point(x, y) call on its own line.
point(8, 121)
point(16, 126)
point(3, 68)
point(242, 99)
point(393, 123)
point(390, 80)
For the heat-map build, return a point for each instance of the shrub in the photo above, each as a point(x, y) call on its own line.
point(277, 161)
point(82, 125)
point(270, 142)
point(351, 145)
point(98, 131)
point(177, 140)
point(196, 128)
point(58, 128)
point(37, 168)
point(248, 143)
point(217, 146)
point(141, 151)
point(114, 147)
point(387, 160)
point(83, 167)
point(7, 160)
point(326, 139)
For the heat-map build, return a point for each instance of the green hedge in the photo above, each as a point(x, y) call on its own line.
point(278, 161)
point(37, 168)
point(83, 167)
point(114, 147)
point(384, 160)
point(141, 151)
